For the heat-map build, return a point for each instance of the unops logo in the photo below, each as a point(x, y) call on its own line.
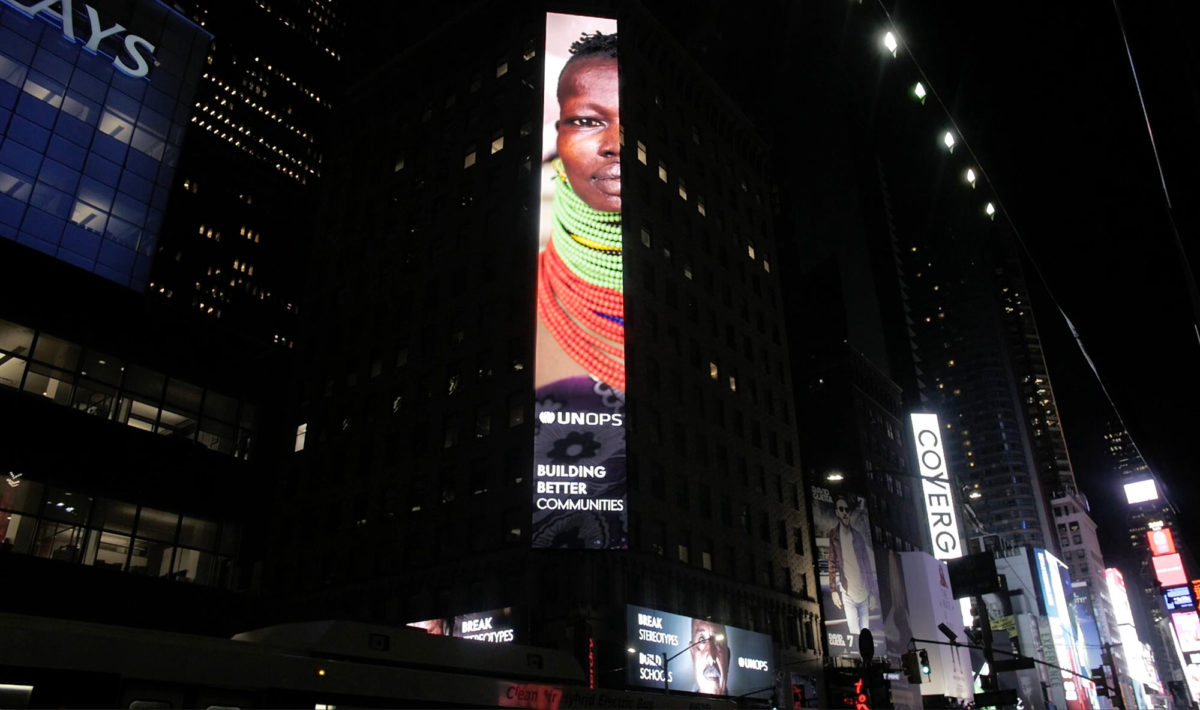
point(582, 418)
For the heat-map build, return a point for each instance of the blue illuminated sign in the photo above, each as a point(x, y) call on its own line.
point(1178, 599)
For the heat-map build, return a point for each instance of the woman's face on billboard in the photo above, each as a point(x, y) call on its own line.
point(589, 131)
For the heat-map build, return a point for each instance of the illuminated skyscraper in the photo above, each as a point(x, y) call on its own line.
point(411, 494)
point(235, 240)
point(121, 423)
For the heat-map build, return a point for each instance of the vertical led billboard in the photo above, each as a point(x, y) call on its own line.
point(846, 561)
point(1063, 632)
point(579, 369)
point(935, 487)
point(675, 652)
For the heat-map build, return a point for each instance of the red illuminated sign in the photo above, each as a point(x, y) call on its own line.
point(1162, 542)
point(1196, 588)
point(530, 695)
point(1169, 570)
point(591, 663)
point(860, 700)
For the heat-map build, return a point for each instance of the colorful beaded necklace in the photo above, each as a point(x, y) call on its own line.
point(580, 297)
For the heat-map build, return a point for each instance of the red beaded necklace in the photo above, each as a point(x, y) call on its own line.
point(574, 311)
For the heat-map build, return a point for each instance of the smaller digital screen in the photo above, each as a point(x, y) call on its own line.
point(1162, 541)
point(1187, 628)
point(1169, 570)
point(494, 626)
point(1179, 599)
point(1141, 491)
point(687, 655)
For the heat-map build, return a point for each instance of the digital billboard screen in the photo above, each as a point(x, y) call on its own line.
point(1162, 541)
point(1168, 569)
point(579, 484)
point(848, 579)
point(1178, 599)
point(494, 626)
point(1069, 651)
point(1187, 630)
point(1141, 491)
point(690, 655)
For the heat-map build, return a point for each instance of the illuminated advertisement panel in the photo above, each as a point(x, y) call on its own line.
point(1187, 630)
point(579, 480)
point(1168, 569)
point(1162, 541)
point(95, 99)
point(935, 487)
point(931, 604)
point(1178, 599)
point(1141, 491)
point(1068, 650)
point(848, 579)
point(697, 655)
point(494, 626)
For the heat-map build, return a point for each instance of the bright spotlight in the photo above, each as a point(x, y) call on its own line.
point(990, 210)
point(920, 92)
point(948, 141)
point(970, 177)
point(889, 41)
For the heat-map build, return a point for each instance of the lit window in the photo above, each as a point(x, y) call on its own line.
point(645, 237)
point(713, 371)
point(682, 189)
point(662, 171)
point(687, 272)
point(469, 160)
point(498, 145)
point(750, 250)
point(301, 432)
point(641, 152)
point(501, 69)
point(700, 207)
point(732, 383)
point(399, 164)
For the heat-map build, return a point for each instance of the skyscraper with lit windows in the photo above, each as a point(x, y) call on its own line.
point(235, 238)
point(411, 492)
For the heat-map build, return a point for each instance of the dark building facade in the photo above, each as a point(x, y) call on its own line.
point(235, 240)
point(409, 493)
point(124, 425)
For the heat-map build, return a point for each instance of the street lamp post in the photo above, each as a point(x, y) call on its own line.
point(667, 661)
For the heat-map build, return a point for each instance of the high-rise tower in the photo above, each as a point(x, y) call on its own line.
point(413, 489)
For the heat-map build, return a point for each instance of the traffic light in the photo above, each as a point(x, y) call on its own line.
point(912, 669)
point(1101, 681)
point(925, 667)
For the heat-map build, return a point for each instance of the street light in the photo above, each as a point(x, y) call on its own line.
point(667, 662)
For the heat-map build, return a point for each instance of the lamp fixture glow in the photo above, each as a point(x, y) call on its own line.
point(948, 141)
point(834, 476)
point(919, 92)
point(990, 210)
point(970, 177)
point(889, 41)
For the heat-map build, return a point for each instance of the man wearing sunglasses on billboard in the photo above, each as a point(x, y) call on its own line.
point(851, 575)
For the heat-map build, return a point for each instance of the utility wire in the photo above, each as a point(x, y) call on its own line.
point(1194, 292)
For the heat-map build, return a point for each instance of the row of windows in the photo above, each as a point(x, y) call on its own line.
point(54, 523)
point(102, 385)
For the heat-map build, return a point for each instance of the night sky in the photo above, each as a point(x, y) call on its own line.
point(1044, 95)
